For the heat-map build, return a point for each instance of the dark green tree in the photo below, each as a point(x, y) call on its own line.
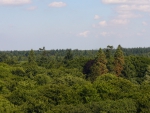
point(43, 60)
point(31, 57)
point(108, 51)
point(110, 59)
point(69, 55)
point(99, 66)
point(118, 61)
point(31, 66)
point(128, 71)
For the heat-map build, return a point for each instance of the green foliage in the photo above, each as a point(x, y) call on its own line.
point(11, 60)
point(144, 98)
point(31, 57)
point(69, 55)
point(3, 57)
point(129, 70)
point(69, 90)
point(109, 106)
point(118, 61)
point(57, 82)
point(30, 69)
point(63, 72)
point(4, 70)
point(42, 79)
point(6, 106)
point(99, 66)
point(135, 68)
point(110, 59)
point(111, 87)
point(19, 71)
point(81, 108)
point(43, 60)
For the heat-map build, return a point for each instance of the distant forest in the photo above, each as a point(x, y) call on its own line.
point(75, 81)
point(77, 53)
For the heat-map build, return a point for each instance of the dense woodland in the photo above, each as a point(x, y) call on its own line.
point(75, 81)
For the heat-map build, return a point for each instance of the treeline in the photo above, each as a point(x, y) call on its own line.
point(96, 81)
point(21, 55)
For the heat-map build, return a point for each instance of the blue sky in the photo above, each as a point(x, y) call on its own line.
point(75, 24)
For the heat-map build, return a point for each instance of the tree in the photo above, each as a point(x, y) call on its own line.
point(69, 55)
point(31, 66)
point(99, 66)
point(129, 70)
point(68, 58)
point(118, 61)
point(43, 60)
point(31, 57)
point(108, 51)
point(110, 86)
point(110, 59)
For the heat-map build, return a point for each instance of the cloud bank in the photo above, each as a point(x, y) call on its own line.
point(96, 17)
point(127, 10)
point(14, 2)
point(84, 34)
point(57, 4)
point(32, 8)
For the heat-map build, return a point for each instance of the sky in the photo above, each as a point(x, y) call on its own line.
point(74, 24)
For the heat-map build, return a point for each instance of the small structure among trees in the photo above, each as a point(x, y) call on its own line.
point(42, 49)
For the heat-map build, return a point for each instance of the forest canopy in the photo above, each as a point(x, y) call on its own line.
point(75, 81)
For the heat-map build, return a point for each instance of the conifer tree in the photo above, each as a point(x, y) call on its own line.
point(110, 59)
point(108, 52)
point(43, 61)
point(31, 68)
point(101, 57)
point(69, 55)
point(118, 61)
point(99, 66)
point(31, 57)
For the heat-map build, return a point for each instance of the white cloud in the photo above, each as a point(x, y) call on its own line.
point(32, 8)
point(94, 25)
point(143, 31)
point(126, 1)
point(144, 8)
point(84, 34)
point(144, 23)
point(128, 14)
point(120, 21)
point(129, 8)
point(104, 34)
point(14, 2)
point(139, 34)
point(57, 4)
point(96, 17)
point(113, 1)
point(103, 23)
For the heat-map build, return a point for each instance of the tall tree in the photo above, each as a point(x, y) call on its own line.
point(69, 55)
point(43, 60)
point(110, 59)
point(108, 52)
point(99, 66)
point(118, 61)
point(31, 67)
point(31, 57)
